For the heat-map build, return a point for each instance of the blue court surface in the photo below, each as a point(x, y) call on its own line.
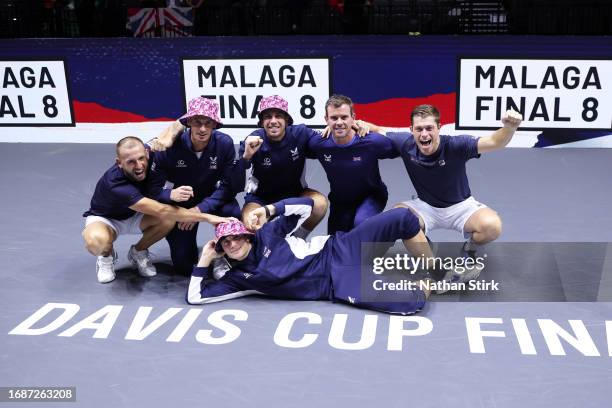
point(544, 339)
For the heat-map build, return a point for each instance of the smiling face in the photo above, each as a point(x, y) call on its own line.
point(274, 122)
point(236, 246)
point(340, 121)
point(201, 130)
point(426, 131)
point(133, 159)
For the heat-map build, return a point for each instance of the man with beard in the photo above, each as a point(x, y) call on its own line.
point(275, 156)
point(120, 206)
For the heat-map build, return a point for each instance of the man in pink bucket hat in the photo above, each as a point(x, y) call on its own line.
point(273, 262)
point(196, 172)
point(203, 108)
point(276, 154)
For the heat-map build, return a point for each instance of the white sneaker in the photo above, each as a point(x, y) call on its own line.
point(141, 260)
point(105, 268)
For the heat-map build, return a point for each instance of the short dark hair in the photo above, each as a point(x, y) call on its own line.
point(337, 101)
point(423, 111)
point(128, 140)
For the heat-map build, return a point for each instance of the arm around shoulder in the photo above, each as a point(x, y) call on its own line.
point(370, 127)
point(167, 137)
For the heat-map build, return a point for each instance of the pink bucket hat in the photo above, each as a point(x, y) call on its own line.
point(201, 106)
point(274, 102)
point(226, 229)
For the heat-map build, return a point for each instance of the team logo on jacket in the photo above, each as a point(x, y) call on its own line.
point(247, 275)
point(267, 162)
point(266, 252)
point(356, 158)
point(327, 157)
point(351, 300)
point(213, 163)
point(181, 163)
point(441, 163)
point(295, 155)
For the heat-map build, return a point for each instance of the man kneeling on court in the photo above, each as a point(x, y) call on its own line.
point(272, 262)
point(119, 206)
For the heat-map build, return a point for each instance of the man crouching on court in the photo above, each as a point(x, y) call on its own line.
point(119, 206)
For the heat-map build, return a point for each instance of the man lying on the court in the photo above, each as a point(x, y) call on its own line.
point(272, 262)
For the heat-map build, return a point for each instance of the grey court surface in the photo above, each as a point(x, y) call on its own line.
point(541, 341)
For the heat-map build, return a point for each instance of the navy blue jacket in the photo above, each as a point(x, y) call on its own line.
point(209, 175)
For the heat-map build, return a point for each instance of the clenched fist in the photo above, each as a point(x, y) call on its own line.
point(512, 119)
point(251, 145)
point(182, 193)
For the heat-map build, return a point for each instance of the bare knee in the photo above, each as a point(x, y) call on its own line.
point(404, 206)
point(490, 228)
point(320, 206)
point(98, 241)
point(494, 228)
point(166, 224)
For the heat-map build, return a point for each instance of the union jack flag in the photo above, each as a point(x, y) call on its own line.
point(166, 22)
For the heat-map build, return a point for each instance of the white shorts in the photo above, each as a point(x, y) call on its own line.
point(453, 217)
point(122, 227)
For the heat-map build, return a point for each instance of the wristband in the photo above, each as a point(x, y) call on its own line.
point(267, 212)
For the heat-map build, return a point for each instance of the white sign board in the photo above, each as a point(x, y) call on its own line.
point(35, 93)
point(239, 84)
point(549, 93)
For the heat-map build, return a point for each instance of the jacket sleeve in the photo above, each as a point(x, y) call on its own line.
point(237, 175)
point(384, 147)
point(291, 213)
point(224, 191)
point(157, 179)
point(200, 291)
